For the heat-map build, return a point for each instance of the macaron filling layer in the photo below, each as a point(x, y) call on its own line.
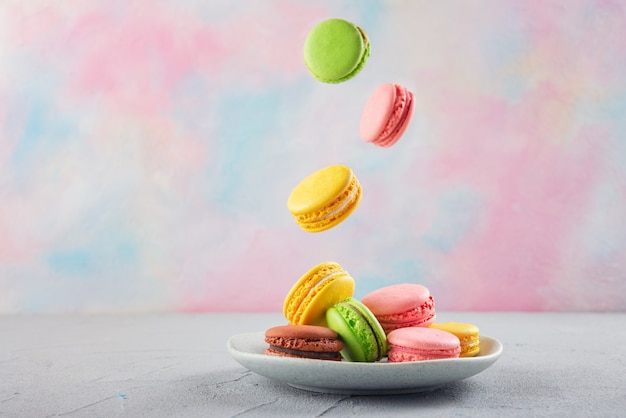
point(321, 283)
point(344, 201)
point(337, 209)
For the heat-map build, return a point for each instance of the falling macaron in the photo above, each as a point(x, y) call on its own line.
point(325, 198)
point(387, 114)
point(336, 50)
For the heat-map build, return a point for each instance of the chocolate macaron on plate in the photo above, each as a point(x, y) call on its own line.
point(358, 378)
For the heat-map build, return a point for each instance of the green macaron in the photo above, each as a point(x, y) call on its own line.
point(363, 338)
point(336, 50)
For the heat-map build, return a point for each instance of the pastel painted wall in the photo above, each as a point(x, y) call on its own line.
point(147, 149)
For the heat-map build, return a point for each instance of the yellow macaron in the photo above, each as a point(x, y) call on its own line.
point(317, 290)
point(325, 198)
point(467, 334)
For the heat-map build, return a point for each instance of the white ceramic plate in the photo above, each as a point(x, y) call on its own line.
point(378, 378)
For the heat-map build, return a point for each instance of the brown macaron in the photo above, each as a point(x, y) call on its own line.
point(303, 341)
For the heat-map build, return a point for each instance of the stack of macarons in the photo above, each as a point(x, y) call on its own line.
point(325, 321)
point(397, 322)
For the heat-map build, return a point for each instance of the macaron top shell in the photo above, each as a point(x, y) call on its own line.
point(335, 50)
point(396, 298)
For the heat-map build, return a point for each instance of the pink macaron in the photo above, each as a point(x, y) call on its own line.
point(418, 343)
point(401, 305)
point(386, 115)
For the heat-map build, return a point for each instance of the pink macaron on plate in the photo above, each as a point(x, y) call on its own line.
point(342, 377)
point(401, 305)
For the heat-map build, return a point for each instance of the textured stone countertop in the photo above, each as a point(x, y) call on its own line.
point(177, 365)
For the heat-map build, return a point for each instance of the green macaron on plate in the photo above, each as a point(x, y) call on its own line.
point(360, 378)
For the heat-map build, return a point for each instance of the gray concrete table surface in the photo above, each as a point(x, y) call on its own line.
point(177, 365)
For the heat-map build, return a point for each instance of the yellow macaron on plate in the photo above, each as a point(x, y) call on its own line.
point(468, 335)
point(317, 290)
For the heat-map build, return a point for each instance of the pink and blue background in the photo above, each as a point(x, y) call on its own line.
point(147, 149)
